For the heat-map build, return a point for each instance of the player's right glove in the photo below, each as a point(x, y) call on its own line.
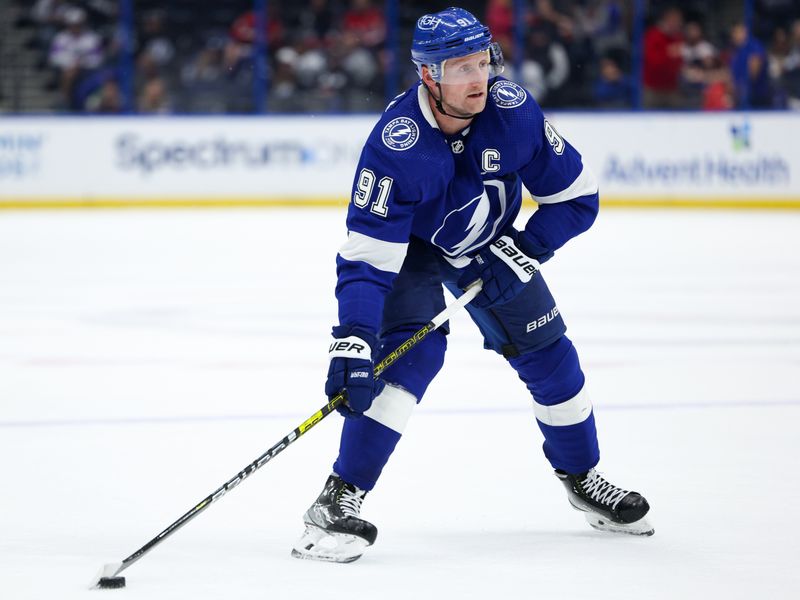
point(504, 269)
point(351, 368)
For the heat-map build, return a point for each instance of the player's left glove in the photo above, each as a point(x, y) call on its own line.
point(504, 269)
point(350, 370)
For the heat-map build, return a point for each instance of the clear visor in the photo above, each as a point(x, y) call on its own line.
point(473, 68)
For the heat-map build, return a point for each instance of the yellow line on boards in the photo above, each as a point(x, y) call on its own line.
point(763, 203)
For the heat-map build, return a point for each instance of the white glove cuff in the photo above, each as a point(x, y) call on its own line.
point(350, 347)
point(523, 266)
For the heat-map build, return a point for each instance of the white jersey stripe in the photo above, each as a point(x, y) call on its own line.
point(392, 408)
point(584, 185)
point(575, 410)
point(384, 256)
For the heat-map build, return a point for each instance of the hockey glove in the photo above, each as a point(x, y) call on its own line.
point(504, 270)
point(350, 370)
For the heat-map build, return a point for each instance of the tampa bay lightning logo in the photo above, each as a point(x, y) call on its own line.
point(475, 223)
point(507, 94)
point(400, 134)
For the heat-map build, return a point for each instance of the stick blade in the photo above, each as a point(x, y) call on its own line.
point(108, 571)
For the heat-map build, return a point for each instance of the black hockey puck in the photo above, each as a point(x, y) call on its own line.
point(110, 583)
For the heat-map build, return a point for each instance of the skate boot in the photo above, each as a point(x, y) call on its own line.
point(334, 531)
point(606, 507)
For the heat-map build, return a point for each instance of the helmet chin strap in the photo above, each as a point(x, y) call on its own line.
point(439, 106)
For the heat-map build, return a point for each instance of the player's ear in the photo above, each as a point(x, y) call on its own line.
point(426, 77)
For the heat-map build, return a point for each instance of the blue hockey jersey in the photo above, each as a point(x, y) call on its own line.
point(458, 193)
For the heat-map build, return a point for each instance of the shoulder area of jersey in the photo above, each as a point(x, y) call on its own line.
point(400, 126)
point(508, 95)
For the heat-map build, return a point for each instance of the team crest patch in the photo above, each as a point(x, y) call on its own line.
point(507, 94)
point(400, 134)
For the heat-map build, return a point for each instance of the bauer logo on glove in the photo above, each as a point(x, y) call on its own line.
point(350, 347)
point(523, 266)
point(504, 270)
point(351, 369)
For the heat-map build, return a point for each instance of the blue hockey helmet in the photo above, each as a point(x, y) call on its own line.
point(452, 33)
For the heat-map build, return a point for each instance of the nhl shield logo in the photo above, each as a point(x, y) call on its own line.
point(400, 134)
point(507, 94)
point(457, 146)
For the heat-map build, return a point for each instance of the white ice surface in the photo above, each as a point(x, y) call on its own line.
point(145, 357)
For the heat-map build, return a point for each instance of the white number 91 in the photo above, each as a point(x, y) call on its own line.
point(363, 192)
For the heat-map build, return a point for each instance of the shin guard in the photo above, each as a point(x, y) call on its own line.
point(561, 406)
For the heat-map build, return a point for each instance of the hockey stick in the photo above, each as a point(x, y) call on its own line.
point(108, 575)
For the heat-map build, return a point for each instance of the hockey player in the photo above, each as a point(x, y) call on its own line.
point(436, 191)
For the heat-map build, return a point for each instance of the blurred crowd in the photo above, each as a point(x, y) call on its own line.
point(686, 66)
point(202, 56)
point(695, 54)
point(334, 55)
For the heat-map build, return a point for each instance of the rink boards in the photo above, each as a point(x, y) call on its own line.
point(744, 160)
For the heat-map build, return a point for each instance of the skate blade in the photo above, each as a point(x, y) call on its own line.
point(318, 544)
point(640, 527)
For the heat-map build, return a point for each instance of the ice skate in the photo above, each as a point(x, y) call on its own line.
point(605, 506)
point(334, 531)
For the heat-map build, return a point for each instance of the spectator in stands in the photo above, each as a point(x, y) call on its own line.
point(663, 61)
point(778, 52)
point(359, 54)
point(242, 40)
point(308, 62)
point(561, 23)
point(156, 49)
point(154, 99)
point(500, 21)
point(204, 85)
point(49, 13)
point(546, 66)
point(74, 52)
point(243, 29)
point(359, 64)
point(749, 70)
point(315, 20)
point(48, 17)
point(207, 66)
point(283, 83)
point(699, 59)
point(718, 92)
point(364, 24)
point(697, 52)
point(106, 100)
point(790, 77)
point(303, 78)
point(602, 22)
point(307, 76)
point(613, 89)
